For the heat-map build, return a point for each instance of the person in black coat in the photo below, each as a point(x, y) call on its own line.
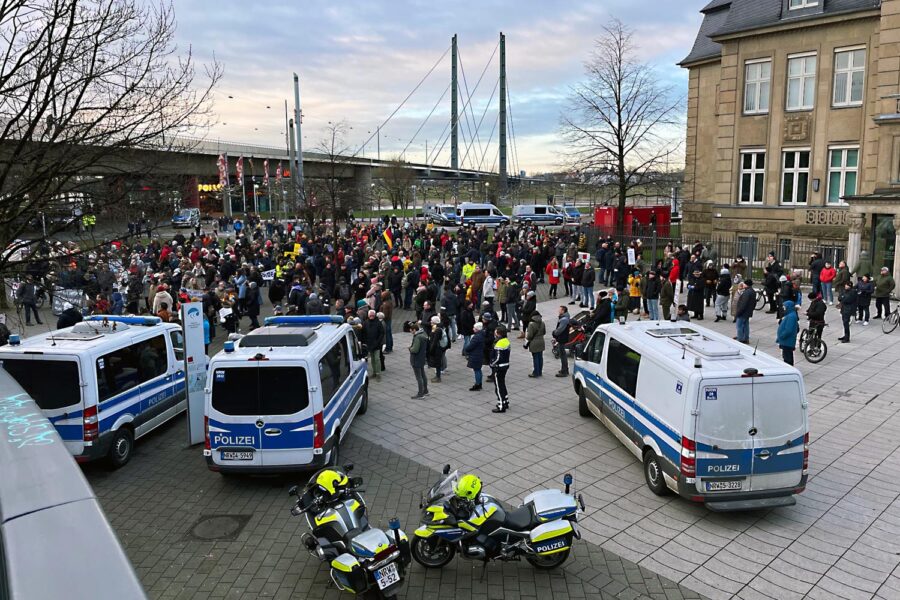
point(373, 336)
point(848, 304)
point(68, 317)
point(696, 287)
point(744, 310)
point(473, 350)
point(467, 323)
point(436, 348)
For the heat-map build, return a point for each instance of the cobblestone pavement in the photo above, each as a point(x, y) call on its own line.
point(839, 541)
point(155, 502)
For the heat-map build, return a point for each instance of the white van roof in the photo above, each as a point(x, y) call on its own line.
point(681, 344)
point(476, 205)
point(287, 337)
point(95, 332)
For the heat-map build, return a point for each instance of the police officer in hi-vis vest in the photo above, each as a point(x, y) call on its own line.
point(499, 366)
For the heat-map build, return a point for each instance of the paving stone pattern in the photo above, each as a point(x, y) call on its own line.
point(839, 541)
point(155, 501)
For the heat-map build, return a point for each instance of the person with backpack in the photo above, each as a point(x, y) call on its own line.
point(418, 349)
point(561, 335)
point(534, 343)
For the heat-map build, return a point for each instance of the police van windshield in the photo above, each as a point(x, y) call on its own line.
point(256, 391)
point(52, 384)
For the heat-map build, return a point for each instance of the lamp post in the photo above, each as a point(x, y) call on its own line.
point(487, 184)
point(413, 201)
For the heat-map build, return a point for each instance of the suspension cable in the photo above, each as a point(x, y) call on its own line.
point(418, 85)
point(433, 108)
point(484, 112)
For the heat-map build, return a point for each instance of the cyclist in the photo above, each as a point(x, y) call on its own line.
point(816, 314)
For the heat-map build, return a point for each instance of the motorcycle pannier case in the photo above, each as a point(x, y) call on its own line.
point(549, 505)
point(348, 574)
point(552, 537)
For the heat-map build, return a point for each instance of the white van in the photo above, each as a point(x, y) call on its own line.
point(104, 382)
point(470, 213)
point(281, 397)
point(712, 419)
point(538, 214)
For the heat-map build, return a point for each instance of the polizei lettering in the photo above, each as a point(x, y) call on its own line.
point(232, 440)
point(553, 546)
point(723, 468)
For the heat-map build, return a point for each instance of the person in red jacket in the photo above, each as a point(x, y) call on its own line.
point(552, 271)
point(826, 277)
point(674, 275)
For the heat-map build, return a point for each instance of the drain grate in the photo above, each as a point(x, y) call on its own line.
point(218, 527)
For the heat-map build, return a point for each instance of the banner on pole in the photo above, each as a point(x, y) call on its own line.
point(279, 173)
point(240, 169)
point(266, 172)
point(222, 163)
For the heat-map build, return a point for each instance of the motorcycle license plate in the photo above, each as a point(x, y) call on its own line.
point(723, 486)
point(387, 576)
point(237, 456)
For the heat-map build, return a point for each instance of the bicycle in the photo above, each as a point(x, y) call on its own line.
point(812, 345)
point(761, 298)
point(891, 320)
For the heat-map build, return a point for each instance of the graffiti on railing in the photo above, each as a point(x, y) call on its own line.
point(24, 425)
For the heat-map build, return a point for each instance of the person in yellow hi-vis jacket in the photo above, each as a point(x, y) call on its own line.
point(499, 366)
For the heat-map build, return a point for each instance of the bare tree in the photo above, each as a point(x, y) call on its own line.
point(621, 118)
point(335, 195)
point(397, 183)
point(88, 89)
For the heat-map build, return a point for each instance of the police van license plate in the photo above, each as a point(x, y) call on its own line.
point(386, 576)
point(237, 455)
point(724, 486)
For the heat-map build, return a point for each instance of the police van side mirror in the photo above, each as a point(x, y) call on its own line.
point(580, 352)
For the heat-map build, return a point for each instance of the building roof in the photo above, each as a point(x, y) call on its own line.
point(725, 17)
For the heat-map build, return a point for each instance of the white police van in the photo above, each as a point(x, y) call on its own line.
point(712, 419)
point(471, 213)
point(538, 214)
point(281, 397)
point(104, 382)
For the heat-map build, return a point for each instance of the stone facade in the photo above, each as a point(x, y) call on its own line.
point(722, 130)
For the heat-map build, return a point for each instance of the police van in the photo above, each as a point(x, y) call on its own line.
point(711, 419)
point(104, 382)
point(281, 397)
point(471, 213)
point(538, 214)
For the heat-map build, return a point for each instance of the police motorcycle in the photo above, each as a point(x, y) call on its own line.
point(458, 517)
point(362, 558)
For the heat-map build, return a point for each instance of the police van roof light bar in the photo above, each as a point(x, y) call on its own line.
point(145, 321)
point(305, 320)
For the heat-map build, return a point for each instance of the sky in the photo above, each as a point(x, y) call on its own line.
point(358, 60)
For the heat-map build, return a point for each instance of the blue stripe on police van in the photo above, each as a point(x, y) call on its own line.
point(344, 401)
point(70, 433)
point(670, 445)
point(137, 391)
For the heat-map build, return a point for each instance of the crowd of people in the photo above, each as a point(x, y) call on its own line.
point(471, 288)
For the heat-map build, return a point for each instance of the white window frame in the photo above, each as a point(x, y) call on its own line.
point(847, 101)
point(802, 4)
point(802, 78)
point(795, 172)
point(843, 170)
point(753, 171)
point(758, 83)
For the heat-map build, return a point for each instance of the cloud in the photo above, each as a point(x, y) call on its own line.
point(357, 61)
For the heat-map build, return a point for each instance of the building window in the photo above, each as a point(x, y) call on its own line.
point(757, 76)
point(843, 166)
point(849, 76)
point(801, 83)
point(795, 4)
point(753, 176)
point(784, 250)
point(795, 177)
point(833, 254)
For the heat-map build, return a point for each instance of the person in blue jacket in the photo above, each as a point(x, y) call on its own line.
point(787, 332)
point(474, 351)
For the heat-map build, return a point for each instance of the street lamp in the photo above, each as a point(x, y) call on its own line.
point(487, 184)
point(414, 201)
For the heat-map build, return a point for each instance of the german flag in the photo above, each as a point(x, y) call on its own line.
point(388, 236)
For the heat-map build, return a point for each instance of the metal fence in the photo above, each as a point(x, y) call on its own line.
point(794, 255)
